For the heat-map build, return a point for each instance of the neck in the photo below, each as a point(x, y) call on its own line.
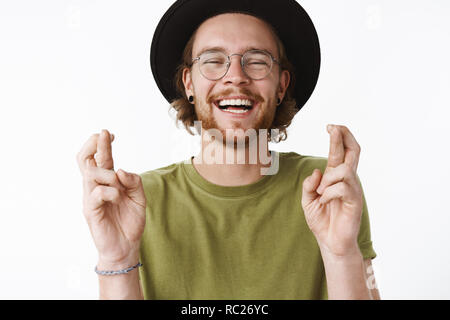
point(231, 164)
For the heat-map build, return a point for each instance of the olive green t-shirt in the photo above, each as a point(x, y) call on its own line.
point(207, 241)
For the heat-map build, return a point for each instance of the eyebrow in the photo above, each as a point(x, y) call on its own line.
point(218, 48)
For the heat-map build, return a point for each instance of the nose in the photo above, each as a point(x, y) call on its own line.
point(235, 74)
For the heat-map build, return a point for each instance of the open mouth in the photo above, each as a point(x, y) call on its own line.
point(235, 106)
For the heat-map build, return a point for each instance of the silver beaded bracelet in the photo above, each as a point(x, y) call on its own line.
point(111, 273)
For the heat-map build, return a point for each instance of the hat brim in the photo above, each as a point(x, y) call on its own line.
point(291, 22)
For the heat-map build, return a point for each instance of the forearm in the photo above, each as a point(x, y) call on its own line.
point(346, 276)
point(119, 287)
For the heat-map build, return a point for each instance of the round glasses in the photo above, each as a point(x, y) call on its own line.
point(256, 64)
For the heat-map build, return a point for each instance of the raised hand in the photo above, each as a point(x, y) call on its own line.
point(113, 203)
point(333, 202)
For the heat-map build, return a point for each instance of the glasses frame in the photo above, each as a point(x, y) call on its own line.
point(242, 62)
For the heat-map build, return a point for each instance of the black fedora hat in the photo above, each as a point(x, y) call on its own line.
point(291, 22)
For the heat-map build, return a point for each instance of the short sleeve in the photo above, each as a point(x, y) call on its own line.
point(364, 236)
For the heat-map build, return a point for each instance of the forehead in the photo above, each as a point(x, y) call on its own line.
point(236, 33)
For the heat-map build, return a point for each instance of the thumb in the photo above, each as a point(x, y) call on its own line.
point(310, 185)
point(133, 184)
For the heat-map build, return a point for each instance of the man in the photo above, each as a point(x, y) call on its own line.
point(214, 227)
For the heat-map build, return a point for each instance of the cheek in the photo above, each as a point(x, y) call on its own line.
point(269, 88)
point(202, 88)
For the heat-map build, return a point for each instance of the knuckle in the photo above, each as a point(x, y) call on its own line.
point(116, 193)
point(115, 178)
point(347, 169)
point(324, 181)
point(89, 173)
point(103, 160)
point(132, 176)
point(341, 188)
point(98, 192)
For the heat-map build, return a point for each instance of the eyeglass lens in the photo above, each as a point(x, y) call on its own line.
point(214, 64)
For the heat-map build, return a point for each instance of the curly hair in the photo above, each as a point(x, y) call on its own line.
point(285, 112)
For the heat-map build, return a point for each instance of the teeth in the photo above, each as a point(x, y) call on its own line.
point(235, 111)
point(235, 102)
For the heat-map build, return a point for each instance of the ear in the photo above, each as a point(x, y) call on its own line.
point(187, 81)
point(285, 78)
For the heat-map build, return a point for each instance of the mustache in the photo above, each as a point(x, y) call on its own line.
point(228, 92)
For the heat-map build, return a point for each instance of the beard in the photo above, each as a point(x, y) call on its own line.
point(264, 120)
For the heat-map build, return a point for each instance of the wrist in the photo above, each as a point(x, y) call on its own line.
point(352, 253)
point(106, 264)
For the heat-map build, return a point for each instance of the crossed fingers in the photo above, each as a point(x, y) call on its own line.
point(342, 173)
point(339, 178)
point(98, 145)
point(343, 147)
point(96, 162)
